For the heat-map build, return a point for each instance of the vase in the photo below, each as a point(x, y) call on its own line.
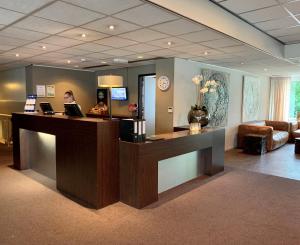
point(198, 114)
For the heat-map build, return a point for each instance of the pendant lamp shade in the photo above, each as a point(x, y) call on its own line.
point(110, 81)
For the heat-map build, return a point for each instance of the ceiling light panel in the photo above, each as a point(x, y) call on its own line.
point(146, 15)
point(106, 6)
point(42, 25)
point(103, 24)
point(67, 13)
point(7, 16)
point(163, 43)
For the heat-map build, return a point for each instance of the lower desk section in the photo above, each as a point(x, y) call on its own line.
point(139, 162)
point(86, 154)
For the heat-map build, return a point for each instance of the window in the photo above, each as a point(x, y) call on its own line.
point(295, 98)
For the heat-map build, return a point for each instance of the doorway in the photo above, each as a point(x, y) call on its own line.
point(147, 101)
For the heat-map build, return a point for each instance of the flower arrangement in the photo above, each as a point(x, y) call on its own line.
point(209, 86)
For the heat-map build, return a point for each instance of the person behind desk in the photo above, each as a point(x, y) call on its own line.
point(70, 98)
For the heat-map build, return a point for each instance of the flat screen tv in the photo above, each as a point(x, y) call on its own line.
point(119, 93)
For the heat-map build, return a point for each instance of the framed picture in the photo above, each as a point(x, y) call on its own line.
point(50, 90)
point(41, 91)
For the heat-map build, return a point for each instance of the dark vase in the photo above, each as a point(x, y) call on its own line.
point(198, 114)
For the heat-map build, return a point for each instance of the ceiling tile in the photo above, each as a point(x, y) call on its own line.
point(221, 43)
point(140, 56)
point(12, 41)
point(7, 16)
point(105, 6)
point(103, 24)
point(22, 34)
point(24, 6)
point(67, 13)
point(202, 36)
point(42, 25)
point(240, 6)
point(61, 41)
point(163, 43)
point(55, 55)
point(74, 51)
point(285, 31)
point(265, 14)
point(116, 42)
point(141, 48)
point(39, 46)
point(92, 47)
point(144, 35)
point(12, 53)
point(237, 49)
point(277, 24)
point(294, 7)
point(76, 33)
point(146, 15)
point(99, 56)
point(118, 52)
point(4, 47)
point(290, 38)
point(164, 53)
point(191, 49)
point(178, 27)
point(27, 51)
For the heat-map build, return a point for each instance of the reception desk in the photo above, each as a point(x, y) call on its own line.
point(86, 154)
point(139, 161)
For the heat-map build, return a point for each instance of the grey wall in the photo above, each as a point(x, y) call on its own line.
point(130, 76)
point(185, 96)
point(164, 99)
point(82, 83)
point(12, 90)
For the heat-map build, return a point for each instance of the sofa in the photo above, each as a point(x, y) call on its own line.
point(276, 132)
point(294, 130)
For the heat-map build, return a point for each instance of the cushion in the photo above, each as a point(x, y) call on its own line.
point(279, 138)
point(296, 133)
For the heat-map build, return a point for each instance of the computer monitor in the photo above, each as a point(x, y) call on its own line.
point(46, 108)
point(119, 93)
point(73, 110)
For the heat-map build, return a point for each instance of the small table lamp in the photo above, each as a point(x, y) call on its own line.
point(110, 81)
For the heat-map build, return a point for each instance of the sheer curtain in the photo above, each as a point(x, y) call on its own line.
point(280, 98)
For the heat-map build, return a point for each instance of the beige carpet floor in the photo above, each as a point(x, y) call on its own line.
point(237, 207)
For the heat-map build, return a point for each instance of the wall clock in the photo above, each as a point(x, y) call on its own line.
point(163, 83)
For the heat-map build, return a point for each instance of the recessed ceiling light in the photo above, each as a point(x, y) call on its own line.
point(76, 66)
point(103, 62)
point(68, 61)
point(170, 43)
point(111, 27)
point(140, 57)
point(17, 55)
point(44, 47)
point(205, 53)
point(242, 63)
point(265, 69)
point(83, 35)
point(83, 59)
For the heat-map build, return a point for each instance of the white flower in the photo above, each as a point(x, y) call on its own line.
point(204, 90)
point(213, 83)
point(212, 90)
point(197, 79)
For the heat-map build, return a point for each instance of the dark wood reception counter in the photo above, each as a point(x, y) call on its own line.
point(86, 151)
point(139, 161)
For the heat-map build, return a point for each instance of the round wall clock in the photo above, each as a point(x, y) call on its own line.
point(163, 83)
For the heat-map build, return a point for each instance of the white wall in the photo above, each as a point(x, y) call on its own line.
point(185, 96)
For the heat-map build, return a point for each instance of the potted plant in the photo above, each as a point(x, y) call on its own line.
point(199, 113)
